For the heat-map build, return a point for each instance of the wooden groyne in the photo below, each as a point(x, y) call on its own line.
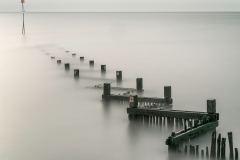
point(107, 96)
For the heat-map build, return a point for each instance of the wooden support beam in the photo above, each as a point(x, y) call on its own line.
point(230, 139)
point(213, 145)
point(223, 149)
point(183, 136)
point(218, 146)
point(170, 113)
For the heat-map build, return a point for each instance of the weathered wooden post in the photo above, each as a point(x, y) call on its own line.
point(67, 66)
point(193, 150)
point(223, 149)
point(58, 61)
point(202, 153)
point(119, 75)
point(91, 63)
point(76, 73)
point(218, 146)
point(52, 57)
point(236, 154)
point(185, 125)
point(133, 101)
point(230, 139)
point(103, 68)
point(167, 95)
point(185, 151)
point(74, 54)
point(197, 150)
point(207, 153)
point(139, 84)
point(106, 88)
point(211, 106)
point(213, 145)
point(81, 58)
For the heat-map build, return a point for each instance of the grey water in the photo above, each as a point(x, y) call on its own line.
point(46, 114)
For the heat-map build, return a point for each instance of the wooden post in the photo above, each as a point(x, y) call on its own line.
point(133, 102)
point(236, 154)
point(223, 149)
point(103, 68)
point(58, 61)
point(139, 86)
point(76, 72)
point(202, 153)
point(107, 89)
point(230, 139)
point(167, 94)
point(193, 150)
point(185, 125)
point(119, 75)
point(81, 58)
point(52, 57)
point(211, 106)
point(207, 153)
point(74, 54)
point(218, 146)
point(185, 151)
point(213, 145)
point(67, 66)
point(91, 63)
point(197, 150)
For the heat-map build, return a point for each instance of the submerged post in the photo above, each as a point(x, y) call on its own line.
point(76, 72)
point(81, 58)
point(74, 54)
point(223, 149)
point(103, 68)
point(119, 75)
point(52, 57)
point(213, 145)
point(139, 84)
point(236, 154)
point(58, 61)
point(91, 63)
point(207, 153)
point(218, 146)
point(107, 89)
point(167, 95)
point(67, 66)
point(230, 139)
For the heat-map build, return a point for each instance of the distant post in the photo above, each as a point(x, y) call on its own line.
point(23, 28)
point(139, 84)
point(81, 58)
point(133, 101)
point(76, 72)
point(106, 88)
point(167, 94)
point(119, 76)
point(67, 66)
point(103, 68)
point(91, 63)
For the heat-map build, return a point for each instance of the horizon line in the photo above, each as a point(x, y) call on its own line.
point(130, 12)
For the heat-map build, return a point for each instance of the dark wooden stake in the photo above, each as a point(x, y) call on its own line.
point(167, 94)
point(197, 150)
point(81, 58)
point(103, 68)
point(218, 146)
point(223, 149)
point(91, 63)
point(76, 72)
point(236, 154)
point(67, 65)
point(106, 88)
point(213, 145)
point(119, 75)
point(202, 153)
point(58, 61)
point(230, 139)
point(139, 84)
point(207, 153)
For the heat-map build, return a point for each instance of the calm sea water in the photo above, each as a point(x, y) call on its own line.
point(47, 115)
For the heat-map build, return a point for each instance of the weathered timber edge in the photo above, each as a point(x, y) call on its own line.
point(140, 99)
point(175, 140)
point(171, 113)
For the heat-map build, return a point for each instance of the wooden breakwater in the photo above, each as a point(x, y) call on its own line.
point(107, 96)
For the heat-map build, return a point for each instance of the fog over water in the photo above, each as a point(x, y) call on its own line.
point(47, 114)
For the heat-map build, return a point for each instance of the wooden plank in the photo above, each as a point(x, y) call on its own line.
point(171, 113)
point(177, 139)
point(140, 99)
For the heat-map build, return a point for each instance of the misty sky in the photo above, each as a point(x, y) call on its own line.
point(120, 5)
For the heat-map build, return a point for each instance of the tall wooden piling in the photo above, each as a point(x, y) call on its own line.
point(202, 153)
point(91, 63)
point(107, 88)
point(211, 106)
point(213, 145)
point(207, 153)
point(167, 94)
point(119, 76)
point(76, 73)
point(81, 58)
point(230, 139)
point(67, 66)
point(218, 146)
point(197, 150)
point(236, 154)
point(103, 68)
point(139, 82)
point(223, 149)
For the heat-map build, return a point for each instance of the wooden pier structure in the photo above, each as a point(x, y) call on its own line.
point(167, 100)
